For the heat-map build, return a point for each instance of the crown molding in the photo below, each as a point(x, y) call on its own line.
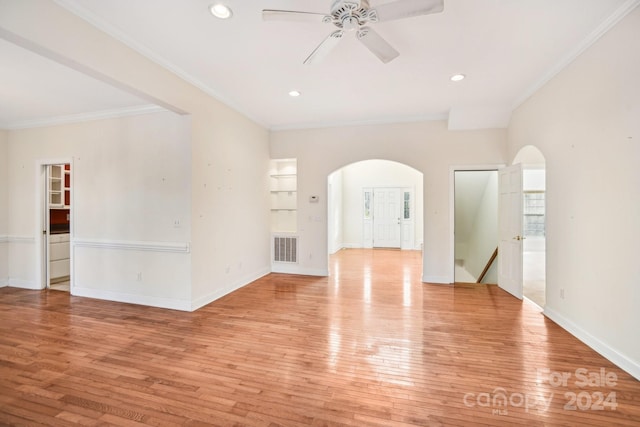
point(82, 117)
point(594, 36)
point(626, 7)
point(391, 120)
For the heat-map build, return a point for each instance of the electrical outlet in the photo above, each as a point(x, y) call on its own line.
point(176, 223)
point(139, 278)
point(562, 293)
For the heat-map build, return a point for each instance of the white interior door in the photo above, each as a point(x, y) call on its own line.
point(510, 230)
point(387, 217)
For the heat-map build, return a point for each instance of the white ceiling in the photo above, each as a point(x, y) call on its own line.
point(36, 90)
point(507, 49)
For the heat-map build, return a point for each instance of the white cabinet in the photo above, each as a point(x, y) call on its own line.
point(59, 255)
point(56, 187)
point(59, 186)
point(284, 195)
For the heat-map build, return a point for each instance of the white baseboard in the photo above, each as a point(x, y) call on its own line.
point(623, 362)
point(352, 246)
point(440, 280)
point(219, 293)
point(360, 246)
point(174, 304)
point(296, 269)
point(336, 248)
point(23, 284)
point(4, 282)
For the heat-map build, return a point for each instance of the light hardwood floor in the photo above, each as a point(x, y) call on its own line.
point(370, 345)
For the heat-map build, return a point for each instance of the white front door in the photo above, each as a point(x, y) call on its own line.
point(387, 217)
point(510, 230)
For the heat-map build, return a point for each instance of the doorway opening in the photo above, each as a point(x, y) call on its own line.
point(388, 218)
point(375, 204)
point(55, 220)
point(475, 226)
point(534, 219)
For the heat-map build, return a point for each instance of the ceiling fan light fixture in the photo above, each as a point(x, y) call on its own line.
point(457, 77)
point(294, 93)
point(357, 16)
point(221, 11)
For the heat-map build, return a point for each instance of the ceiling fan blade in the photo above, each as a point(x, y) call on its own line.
point(290, 15)
point(324, 48)
point(408, 8)
point(377, 45)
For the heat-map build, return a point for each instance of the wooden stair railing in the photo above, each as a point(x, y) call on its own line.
point(486, 267)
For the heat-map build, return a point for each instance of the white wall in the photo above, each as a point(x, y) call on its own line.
point(231, 204)
point(335, 215)
point(427, 147)
point(469, 187)
point(4, 221)
point(585, 122)
point(130, 183)
point(229, 217)
point(483, 239)
point(533, 180)
point(377, 173)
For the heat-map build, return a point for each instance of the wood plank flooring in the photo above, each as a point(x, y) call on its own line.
point(368, 346)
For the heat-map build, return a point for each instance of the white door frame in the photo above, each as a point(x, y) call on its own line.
point(41, 256)
point(406, 225)
point(541, 167)
point(452, 200)
point(367, 219)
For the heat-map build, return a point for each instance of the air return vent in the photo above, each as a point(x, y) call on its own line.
point(285, 249)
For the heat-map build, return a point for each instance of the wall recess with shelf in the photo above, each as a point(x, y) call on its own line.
point(284, 195)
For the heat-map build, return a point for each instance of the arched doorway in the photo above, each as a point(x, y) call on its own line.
point(367, 200)
point(534, 219)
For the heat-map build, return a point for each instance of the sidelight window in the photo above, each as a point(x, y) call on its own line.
point(407, 205)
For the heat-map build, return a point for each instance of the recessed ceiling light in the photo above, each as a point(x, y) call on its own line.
point(294, 93)
point(457, 77)
point(221, 11)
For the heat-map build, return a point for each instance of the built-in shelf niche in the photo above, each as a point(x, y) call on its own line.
point(284, 195)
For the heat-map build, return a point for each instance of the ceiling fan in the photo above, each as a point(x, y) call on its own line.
point(354, 16)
